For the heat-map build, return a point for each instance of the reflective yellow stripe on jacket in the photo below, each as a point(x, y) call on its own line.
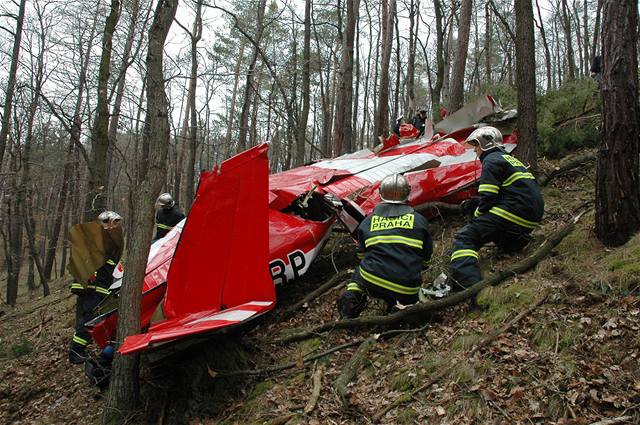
point(488, 188)
point(517, 176)
point(386, 284)
point(460, 253)
point(513, 218)
point(164, 226)
point(416, 243)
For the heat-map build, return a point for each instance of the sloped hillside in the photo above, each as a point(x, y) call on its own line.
point(570, 358)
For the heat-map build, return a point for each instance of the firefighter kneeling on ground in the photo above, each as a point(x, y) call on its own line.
point(167, 216)
point(395, 246)
point(508, 207)
point(91, 294)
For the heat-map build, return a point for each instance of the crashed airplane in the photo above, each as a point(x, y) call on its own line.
point(209, 273)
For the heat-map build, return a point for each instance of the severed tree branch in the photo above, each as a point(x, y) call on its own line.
point(421, 311)
point(351, 368)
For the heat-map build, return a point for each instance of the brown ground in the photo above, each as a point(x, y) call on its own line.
point(574, 360)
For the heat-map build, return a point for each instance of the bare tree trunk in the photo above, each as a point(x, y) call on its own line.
point(95, 201)
point(396, 91)
point(617, 187)
point(305, 91)
point(342, 130)
point(526, 82)
point(387, 14)
point(436, 93)
point(410, 101)
point(11, 81)
point(487, 42)
point(234, 94)
point(566, 24)
point(596, 30)
point(196, 35)
point(547, 53)
point(123, 390)
point(119, 94)
point(456, 96)
point(248, 88)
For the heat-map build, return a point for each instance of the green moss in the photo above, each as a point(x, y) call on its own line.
point(465, 342)
point(260, 389)
point(308, 346)
point(21, 348)
point(468, 404)
point(407, 415)
point(404, 381)
point(622, 269)
point(500, 301)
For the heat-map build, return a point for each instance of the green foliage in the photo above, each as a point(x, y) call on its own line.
point(500, 302)
point(623, 267)
point(18, 349)
point(568, 118)
point(504, 93)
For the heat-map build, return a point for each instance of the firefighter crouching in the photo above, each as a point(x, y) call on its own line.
point(167, 216)
point(508, 207)
point(91, 294)
point(394, 246)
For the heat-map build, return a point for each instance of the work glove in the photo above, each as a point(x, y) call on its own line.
point(469, 205)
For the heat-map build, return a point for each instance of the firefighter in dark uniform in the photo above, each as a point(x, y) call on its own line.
point(91, 294)
point(394, 245)
point(419, 120)
point(167, 216)
point(508, 207)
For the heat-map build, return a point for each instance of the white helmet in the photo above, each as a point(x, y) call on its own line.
point(395, 189)
point(485, 137)
point(165, 201)
point(110, 219)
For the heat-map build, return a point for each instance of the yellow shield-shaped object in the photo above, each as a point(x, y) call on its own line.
point(91, 246)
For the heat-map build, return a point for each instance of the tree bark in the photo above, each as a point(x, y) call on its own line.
point(566, 25)
point(456, 93)
point(95, 200)
point(196, 35)
point(305, 90)
point(526, 82)
point(617, 186)
point(547, 52)
point(123, 392)
point(388, 12)
point(248, 87)
point(436, 93)
point(410, 100)
point(11, 81)
point(342, 130)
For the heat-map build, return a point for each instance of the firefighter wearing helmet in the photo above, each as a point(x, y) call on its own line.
point(94, 290)
point(167, 216)
point(394, 246)
point(508, 207)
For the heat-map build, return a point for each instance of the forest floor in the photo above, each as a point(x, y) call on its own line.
point(573, 360)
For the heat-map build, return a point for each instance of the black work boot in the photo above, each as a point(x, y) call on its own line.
point(77, 354)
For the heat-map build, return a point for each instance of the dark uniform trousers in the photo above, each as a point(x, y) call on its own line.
point(510, 207)
point(89, 297)
point(394, 247)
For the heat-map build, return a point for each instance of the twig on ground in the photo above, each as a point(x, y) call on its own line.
point(566, 167)
point(315, 393)
point(422, 310)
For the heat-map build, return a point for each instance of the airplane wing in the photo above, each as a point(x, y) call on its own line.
point(219, 275)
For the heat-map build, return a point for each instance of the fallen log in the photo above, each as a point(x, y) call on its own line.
point(319, 291)
point(351, 368)
point(567, 166)
point(421, 311)
point(621, 419)
point(444, 371)
point(307, 360)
